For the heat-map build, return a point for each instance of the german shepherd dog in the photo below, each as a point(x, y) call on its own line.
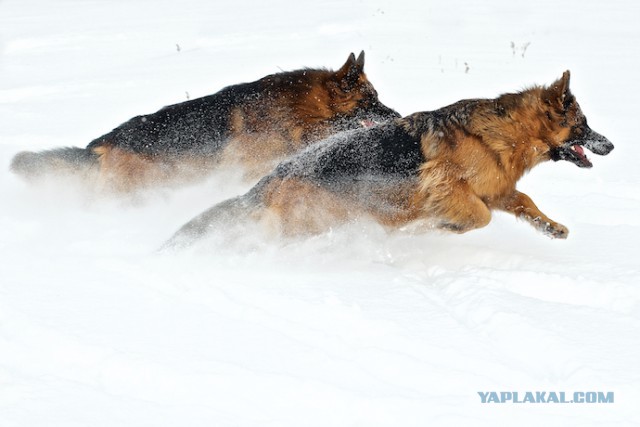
point(447, 168)
point(255, 125)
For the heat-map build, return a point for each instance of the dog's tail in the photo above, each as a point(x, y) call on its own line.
point(222, 216)
point(65, 160)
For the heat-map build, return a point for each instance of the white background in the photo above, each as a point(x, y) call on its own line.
point(357, 327)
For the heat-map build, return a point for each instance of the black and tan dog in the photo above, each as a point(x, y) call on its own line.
point(448, 168)
point(255, 125)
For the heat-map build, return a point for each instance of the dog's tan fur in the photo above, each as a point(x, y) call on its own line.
point(250, 126)
point(449, 168)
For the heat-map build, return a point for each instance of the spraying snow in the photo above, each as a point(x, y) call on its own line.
point(356, 326)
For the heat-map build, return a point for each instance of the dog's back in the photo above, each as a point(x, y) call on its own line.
point(369, 169)
point(251, 125)
point(447, 168)
point(196, 127)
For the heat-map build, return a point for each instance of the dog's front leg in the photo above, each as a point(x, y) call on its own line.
point(523, 207)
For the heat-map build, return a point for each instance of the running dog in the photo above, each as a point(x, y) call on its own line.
point(253, 125)
point(447, 168)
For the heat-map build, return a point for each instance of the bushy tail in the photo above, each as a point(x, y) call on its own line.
point(65, 160)
point(223, 216)
point(220, 217)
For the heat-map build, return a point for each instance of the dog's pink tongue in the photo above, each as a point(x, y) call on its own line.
point(580, 152)
point(367, 123)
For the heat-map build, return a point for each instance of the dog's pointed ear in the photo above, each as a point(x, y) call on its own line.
point(351, 61)
point(351, 69)
point(360, 61)
point(559, 91)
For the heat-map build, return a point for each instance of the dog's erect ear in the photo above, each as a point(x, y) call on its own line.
point(558, 93)
point(360, 61)
point(351, 69)
point(351, 62)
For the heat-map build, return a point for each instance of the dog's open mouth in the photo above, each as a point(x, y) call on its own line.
point(573, 151)
point(579, 158)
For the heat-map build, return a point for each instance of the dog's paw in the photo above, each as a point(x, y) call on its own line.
point(552, 229)
point(557, 231)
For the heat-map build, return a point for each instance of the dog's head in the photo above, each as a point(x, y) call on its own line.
point(566, 126)
point(354, 97)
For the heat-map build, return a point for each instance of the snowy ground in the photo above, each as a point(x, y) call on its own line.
point(353, 328)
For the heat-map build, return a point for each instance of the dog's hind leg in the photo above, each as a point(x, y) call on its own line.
point(523, 207)
point(296, 206)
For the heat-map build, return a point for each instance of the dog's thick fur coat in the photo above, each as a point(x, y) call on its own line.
point(253, 125)
point(448, 168)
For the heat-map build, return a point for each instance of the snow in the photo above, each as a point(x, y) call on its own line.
point(357, 327)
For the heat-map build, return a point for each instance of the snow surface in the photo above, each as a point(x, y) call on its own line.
point(357, 327)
